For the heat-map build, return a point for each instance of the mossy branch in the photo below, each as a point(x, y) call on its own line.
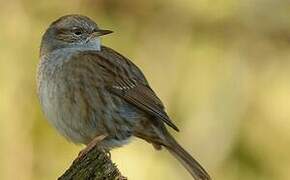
point(95, 165)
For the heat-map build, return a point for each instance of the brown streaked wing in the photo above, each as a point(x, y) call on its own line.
point(144, 98)
point(134, 88)
point(124, 79)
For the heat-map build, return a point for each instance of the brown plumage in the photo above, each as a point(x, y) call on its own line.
point(88, 90)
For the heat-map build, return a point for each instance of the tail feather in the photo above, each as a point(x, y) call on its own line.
point(192, 166)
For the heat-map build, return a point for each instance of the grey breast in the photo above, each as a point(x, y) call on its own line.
point(61, 104)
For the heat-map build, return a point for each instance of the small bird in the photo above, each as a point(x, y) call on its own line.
point(95, 96)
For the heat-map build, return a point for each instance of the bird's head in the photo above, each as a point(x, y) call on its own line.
point(72, 31)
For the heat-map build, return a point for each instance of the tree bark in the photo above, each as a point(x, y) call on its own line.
point(95, 165)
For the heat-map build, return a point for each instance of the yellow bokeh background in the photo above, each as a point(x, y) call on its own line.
point(222, 68)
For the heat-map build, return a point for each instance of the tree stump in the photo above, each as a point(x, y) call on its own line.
point(95, 165)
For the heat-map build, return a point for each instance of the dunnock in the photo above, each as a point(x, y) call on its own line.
point(95, 96)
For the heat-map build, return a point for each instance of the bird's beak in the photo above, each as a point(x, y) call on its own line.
point(101, 32)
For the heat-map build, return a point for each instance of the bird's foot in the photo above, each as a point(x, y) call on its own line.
point(90, 146)
point(122, 178)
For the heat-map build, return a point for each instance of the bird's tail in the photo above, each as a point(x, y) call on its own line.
point(192, 166)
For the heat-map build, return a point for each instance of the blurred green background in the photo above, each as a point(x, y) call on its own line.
point(221, 67)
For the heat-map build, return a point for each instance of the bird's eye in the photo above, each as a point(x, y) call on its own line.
point(77, 32)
